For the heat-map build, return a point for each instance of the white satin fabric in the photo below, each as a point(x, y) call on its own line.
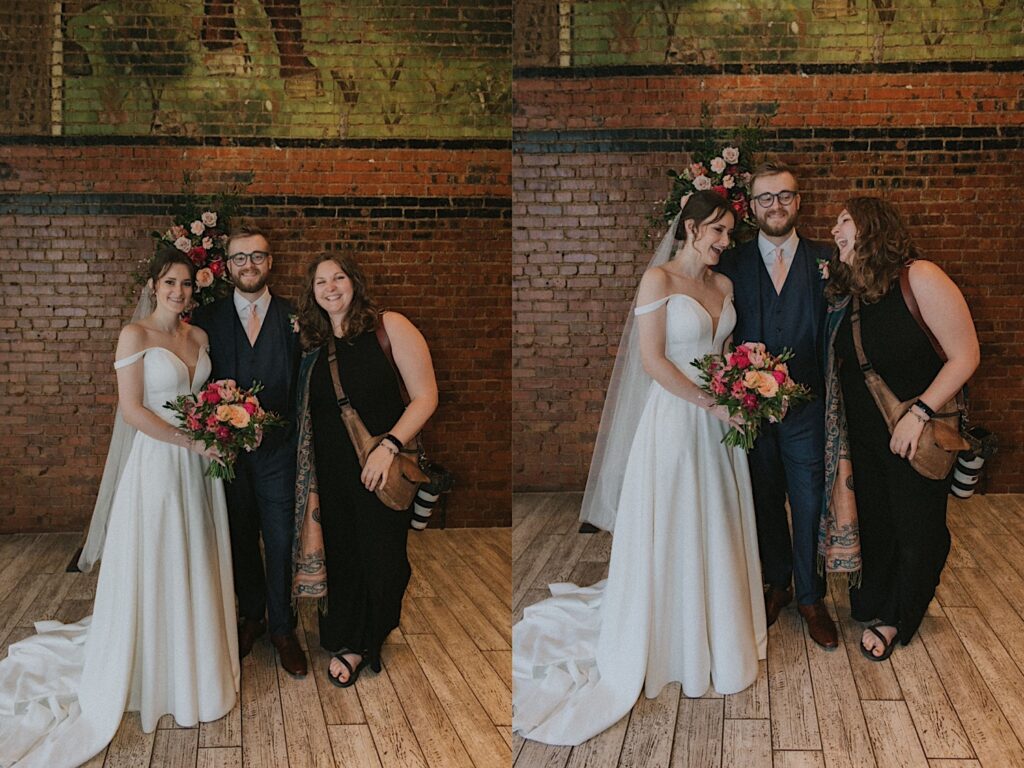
point(683, 599)
point(162, 636)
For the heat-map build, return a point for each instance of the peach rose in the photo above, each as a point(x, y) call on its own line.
point(204, 278)
point(235, 415)
point(763, 382)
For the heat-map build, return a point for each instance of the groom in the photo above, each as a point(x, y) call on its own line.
point(779, 299)
point(251, 339)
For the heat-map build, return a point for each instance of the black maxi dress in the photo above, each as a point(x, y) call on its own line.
point(364, 540)
point(904, 538)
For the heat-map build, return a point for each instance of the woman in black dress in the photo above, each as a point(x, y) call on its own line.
point(361, 565)
point(902, 514)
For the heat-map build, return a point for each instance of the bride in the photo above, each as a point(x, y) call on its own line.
point(683, 599)
point(161, 636)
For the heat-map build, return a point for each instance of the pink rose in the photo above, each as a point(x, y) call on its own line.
point(780, 376)
point(208, 243)
point(717, 387)
point(738, 390)
point(702, 183)
point(210, 395)
point(204, 278)
point(183, 244)
point(717, 165)
point(209, 218)
point(739, 359)
point(250, 408)
point(728, 182)
point(197, 228)
point(731, 154)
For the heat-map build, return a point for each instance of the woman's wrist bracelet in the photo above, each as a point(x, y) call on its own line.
point(393, 441)
point(388, 446)
point(918, 416)
point(925, 408)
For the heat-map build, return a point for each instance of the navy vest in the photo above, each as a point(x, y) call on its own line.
point(789, 321)
point(269, 363)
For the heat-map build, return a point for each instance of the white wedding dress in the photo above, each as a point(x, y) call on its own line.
point(683, 598)
point(162, 636)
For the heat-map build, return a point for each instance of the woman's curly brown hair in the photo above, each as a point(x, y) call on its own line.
point(882, 248)
point(314, 324)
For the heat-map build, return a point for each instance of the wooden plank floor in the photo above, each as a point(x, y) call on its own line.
point(953, 698)
point(443, 699)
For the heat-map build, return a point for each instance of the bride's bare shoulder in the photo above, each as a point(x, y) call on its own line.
point(198, 336)
point(654, 285)
point(133, 338)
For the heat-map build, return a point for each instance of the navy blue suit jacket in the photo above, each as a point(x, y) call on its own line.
point(221, 323)
point(744, 266)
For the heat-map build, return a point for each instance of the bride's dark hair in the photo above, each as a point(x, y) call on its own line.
point(699, 207)
point(165, 257)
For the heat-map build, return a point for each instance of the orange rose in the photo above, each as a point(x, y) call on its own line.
point(234, 415)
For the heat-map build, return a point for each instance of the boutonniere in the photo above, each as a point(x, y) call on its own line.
point(823, 268)
point(294, 320)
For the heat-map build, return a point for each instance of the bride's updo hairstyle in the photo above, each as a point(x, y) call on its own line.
point(700, 207)
point(165, 257)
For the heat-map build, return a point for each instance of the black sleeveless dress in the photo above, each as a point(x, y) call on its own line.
point(904, 538)
point(364, 540)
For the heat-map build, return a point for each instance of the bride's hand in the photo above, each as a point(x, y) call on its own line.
point(721, 413)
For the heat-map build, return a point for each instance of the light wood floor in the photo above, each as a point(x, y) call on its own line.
point(953, 698)
point(443, 698)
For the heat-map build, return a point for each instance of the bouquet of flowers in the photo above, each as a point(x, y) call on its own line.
point(202, 236)
point(753, 384)
point(226, 416)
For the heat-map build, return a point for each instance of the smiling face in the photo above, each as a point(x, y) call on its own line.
point(332, 289)
point(173, 289)
point(712, 238)
point(775, 220)
point(845, 234)
point(249, 279)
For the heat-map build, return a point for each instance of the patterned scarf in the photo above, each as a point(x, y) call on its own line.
point(309, 566)
point(838, 533)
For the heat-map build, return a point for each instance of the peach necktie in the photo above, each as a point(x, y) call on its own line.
point(252, 329)
point(779, 271)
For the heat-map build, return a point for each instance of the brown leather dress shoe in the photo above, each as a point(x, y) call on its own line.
point(293, 660)
point(248, 631)
point(820, 626)
point(775, 600)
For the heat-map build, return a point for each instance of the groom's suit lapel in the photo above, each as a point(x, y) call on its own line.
point(753, 267)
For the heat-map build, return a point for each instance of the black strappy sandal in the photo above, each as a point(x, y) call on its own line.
point(887, 645)
point(353, 673)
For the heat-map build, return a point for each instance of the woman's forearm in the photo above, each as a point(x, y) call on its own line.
point(415, 416)
point(950, 378)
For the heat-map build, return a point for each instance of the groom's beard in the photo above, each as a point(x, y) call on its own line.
point(776, 226)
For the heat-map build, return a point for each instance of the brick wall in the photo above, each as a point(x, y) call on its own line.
point(89, 168)
point(943, 140)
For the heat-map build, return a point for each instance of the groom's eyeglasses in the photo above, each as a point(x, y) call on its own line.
point(767, 199)
point(256, 257)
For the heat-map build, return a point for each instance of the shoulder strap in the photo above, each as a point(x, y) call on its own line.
point(385, 344)
point(858, 345)
point(911, 302)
